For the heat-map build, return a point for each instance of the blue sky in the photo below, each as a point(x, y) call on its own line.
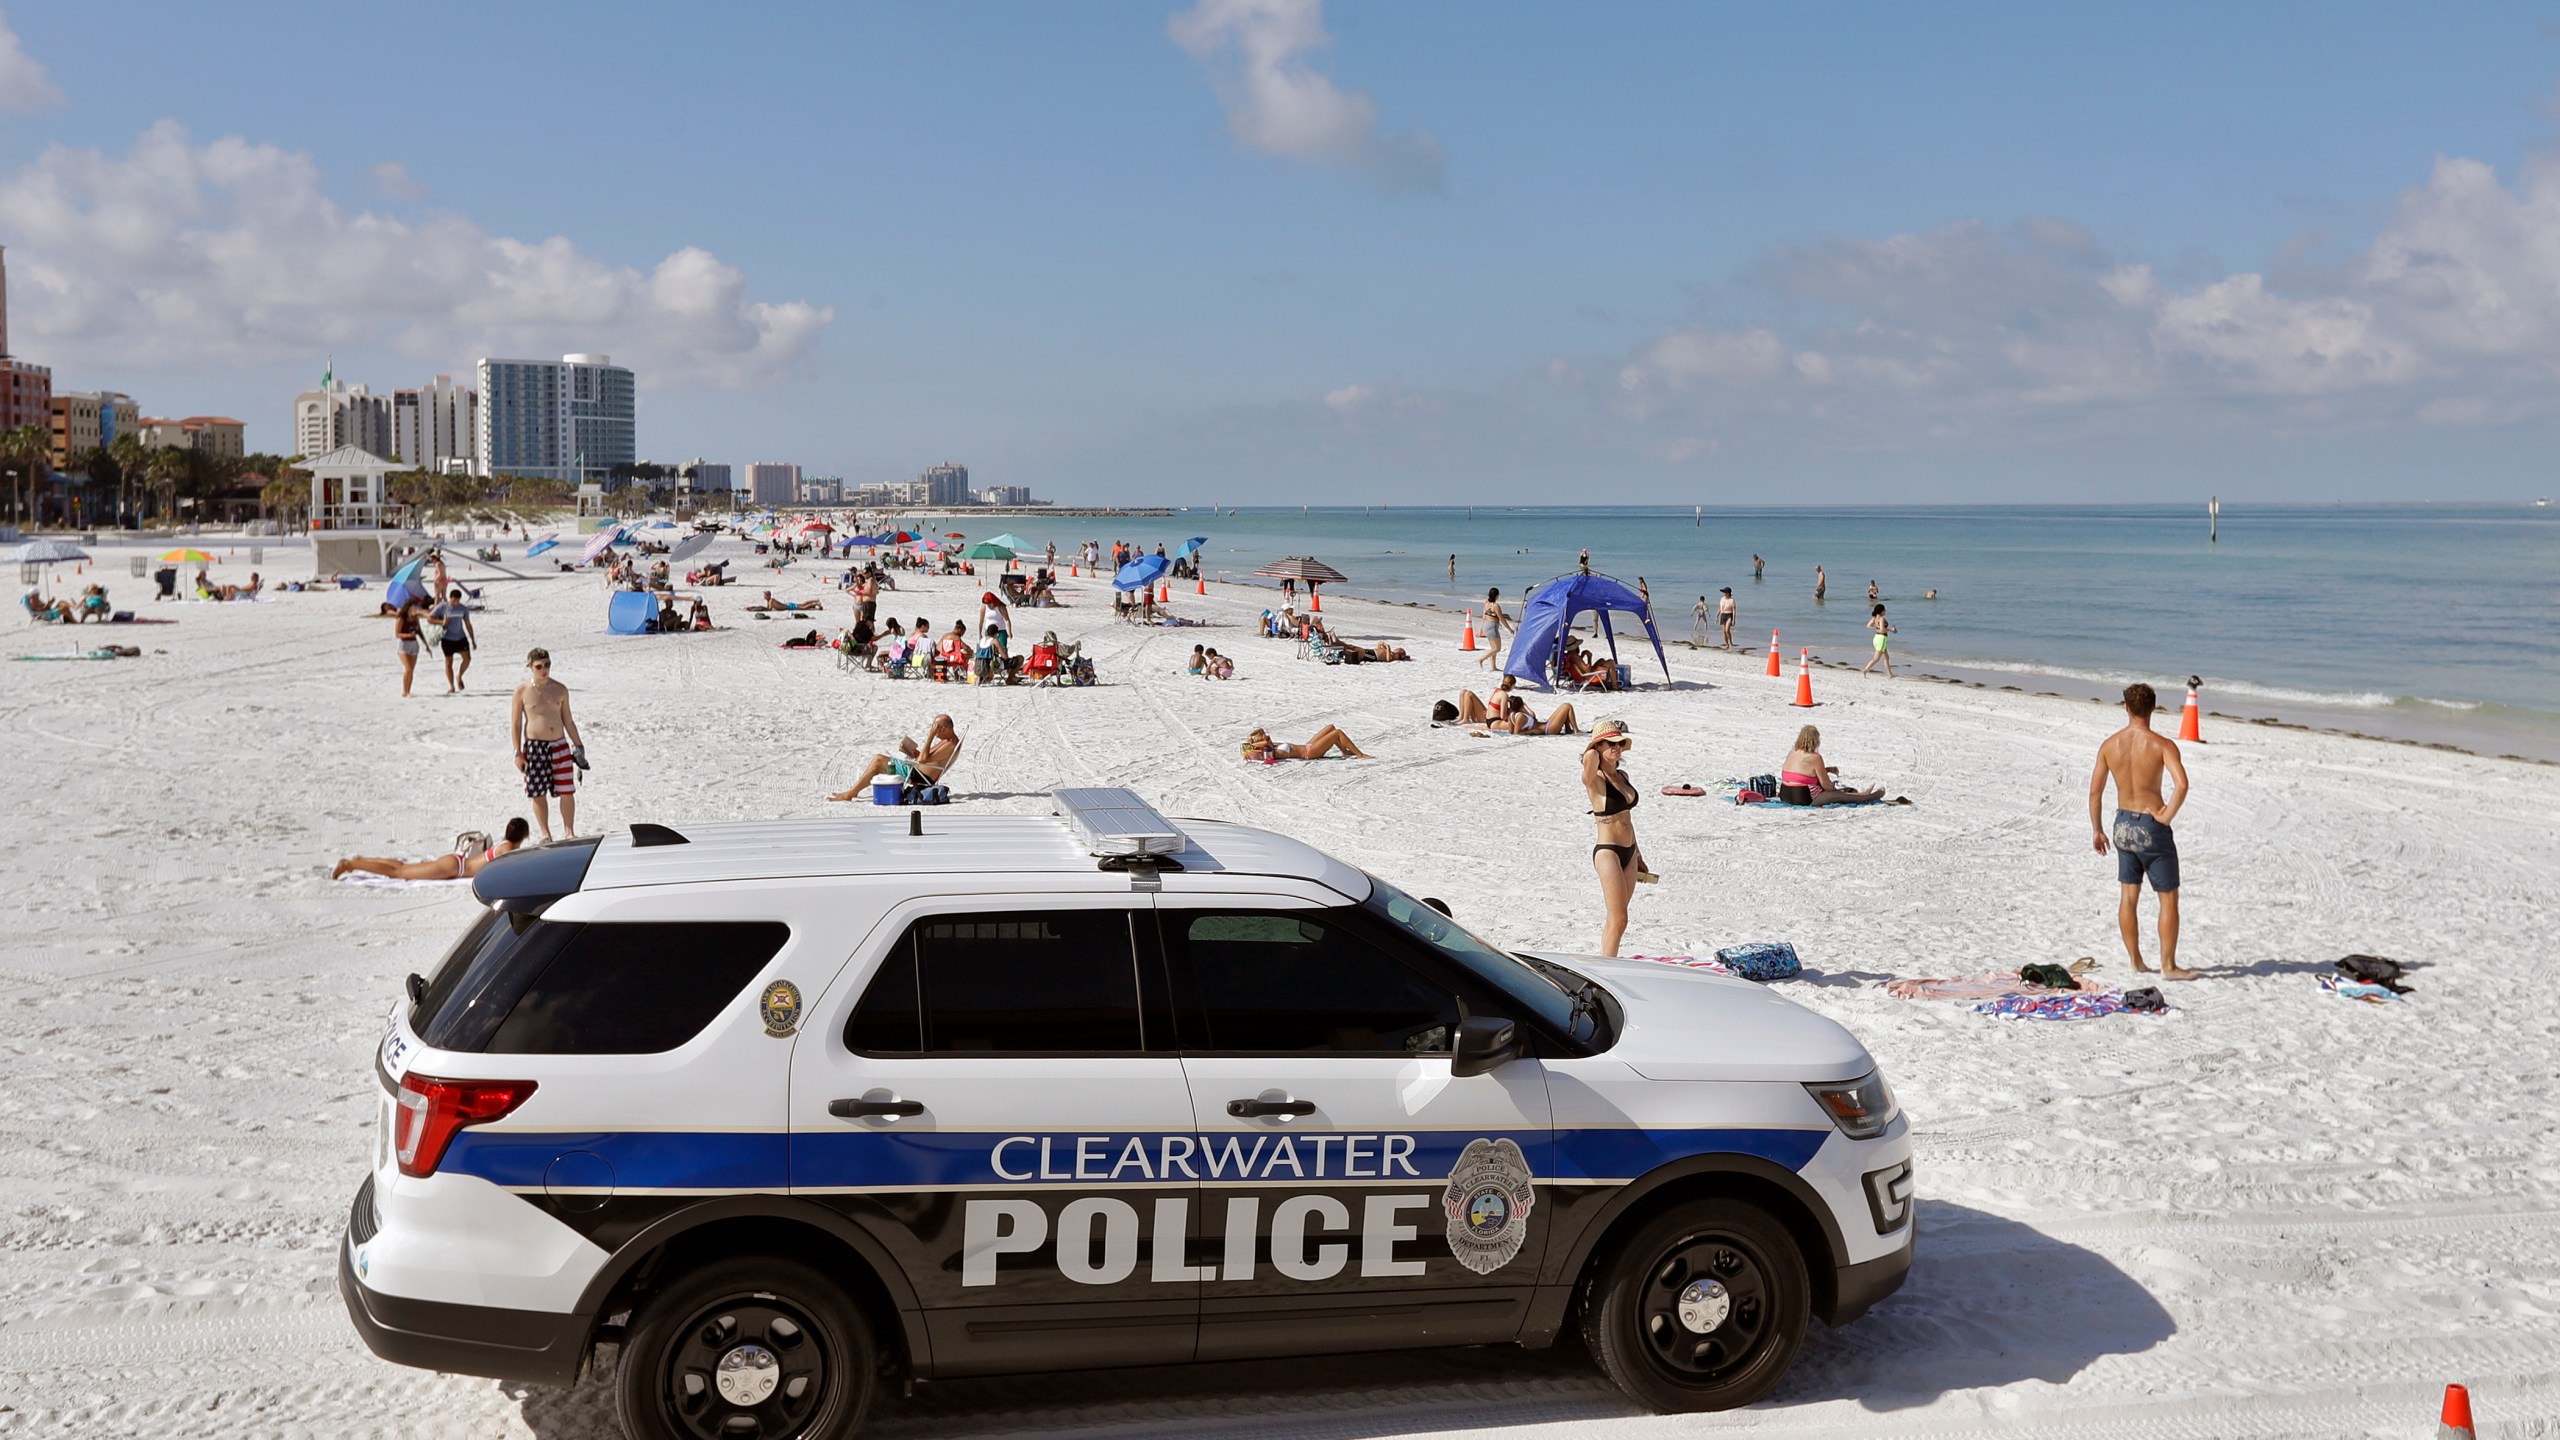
point(1246, 250)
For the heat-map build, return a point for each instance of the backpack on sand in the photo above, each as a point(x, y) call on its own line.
point(1764, 961)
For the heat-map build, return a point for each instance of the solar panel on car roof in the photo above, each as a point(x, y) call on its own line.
point(1114, 821)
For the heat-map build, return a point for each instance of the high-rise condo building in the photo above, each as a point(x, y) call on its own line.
point(708, 475)
point(946, 484)
point(26, 389)
point(570, 419)
point(79, 421)
point(209, 434)
point(771, 482)
point(436, 427)
point(338, 415)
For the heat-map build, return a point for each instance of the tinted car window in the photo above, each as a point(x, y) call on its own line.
point(483, 977)
point(635, 989)
point(1005, 983)
point(1299, 982)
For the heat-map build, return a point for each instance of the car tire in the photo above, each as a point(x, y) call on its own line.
point(764, 1338)
point(1702, 1307)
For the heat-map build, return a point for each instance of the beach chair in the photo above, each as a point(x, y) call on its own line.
point(166, 577)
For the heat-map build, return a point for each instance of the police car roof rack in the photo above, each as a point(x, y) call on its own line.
point(1118, 829)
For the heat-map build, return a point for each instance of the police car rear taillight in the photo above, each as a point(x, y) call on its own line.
point(432, 1110)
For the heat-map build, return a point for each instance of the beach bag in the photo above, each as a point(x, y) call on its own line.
point(1764, 785)
point(1765, 961)
point(2373, 970)
point(2049, 976)
point(1442, 712)
point(432, 632)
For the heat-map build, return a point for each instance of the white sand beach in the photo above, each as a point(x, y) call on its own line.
point(2271, 1213)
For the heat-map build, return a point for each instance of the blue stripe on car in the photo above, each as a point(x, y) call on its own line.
point(929, 1159)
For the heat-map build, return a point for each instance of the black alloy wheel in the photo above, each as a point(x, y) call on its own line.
point(1701, 1308)
point(747, 1349)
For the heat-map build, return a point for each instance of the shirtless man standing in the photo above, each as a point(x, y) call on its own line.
point(546, 739)
point(2144, 844)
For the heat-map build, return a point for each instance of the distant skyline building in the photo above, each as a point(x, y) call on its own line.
point(709, 475)
point(78, 421)
point(436, 427)
point(1005, 495)
point(945, 484)
point(26, 389)
point(773, 482)
point(205, 434)
point(337, 415)
point(568, 419)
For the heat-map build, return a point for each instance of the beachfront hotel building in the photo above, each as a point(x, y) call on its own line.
point(772, 482)
point(207, 434)
point(706, 476)
point(80, 421)
point(567, 419)
point(437, 427)
point(337, 415)
point(26, 389)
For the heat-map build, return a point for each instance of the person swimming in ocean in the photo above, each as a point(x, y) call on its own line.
point(1821, 583)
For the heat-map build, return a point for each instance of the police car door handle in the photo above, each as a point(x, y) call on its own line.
point(1256, 1109)
point(866, 1108)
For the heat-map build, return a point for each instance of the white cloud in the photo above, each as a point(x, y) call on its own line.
point(1255, 51)
point(392, 178)
point(24, 86)
point(2451, 316)
point(1350, 398)
point(232, 253)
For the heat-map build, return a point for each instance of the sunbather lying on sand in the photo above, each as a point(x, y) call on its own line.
point(1329, 740)
point(460, 865)
point(1519, 719)
point(787, 606)
point(1806, 780)
point(924, 764)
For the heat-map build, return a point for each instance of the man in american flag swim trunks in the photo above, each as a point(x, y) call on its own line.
point(546, 741)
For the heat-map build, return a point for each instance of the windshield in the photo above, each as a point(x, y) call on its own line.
point(1524, 986)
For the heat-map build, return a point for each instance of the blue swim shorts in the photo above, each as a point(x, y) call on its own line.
point(2145, 848)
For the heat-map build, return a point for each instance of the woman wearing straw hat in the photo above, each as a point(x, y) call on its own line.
point(1615, 855)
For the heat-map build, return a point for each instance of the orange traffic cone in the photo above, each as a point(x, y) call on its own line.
point(1073, 572)
point(1777, 670)
point(1167, 597)
point(2191, 724)
point(1469, 642)
point(1314, 601)
point(1204, 584)
point(2456, 1424)
point(1804, 680)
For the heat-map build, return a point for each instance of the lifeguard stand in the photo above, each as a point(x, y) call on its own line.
point(355, 527)
point(592, 514)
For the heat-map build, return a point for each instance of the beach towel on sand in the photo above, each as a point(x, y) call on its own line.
point(1689, 962)
point(2080, 1005)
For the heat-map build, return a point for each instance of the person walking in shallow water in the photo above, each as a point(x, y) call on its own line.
point(1821, 583)
point(1724, 615)
point(1758, 565)
point(2135, 757)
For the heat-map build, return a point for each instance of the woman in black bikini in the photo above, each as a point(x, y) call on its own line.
point(1615, 856)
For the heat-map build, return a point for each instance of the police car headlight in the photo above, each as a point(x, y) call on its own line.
point(1862, 1108)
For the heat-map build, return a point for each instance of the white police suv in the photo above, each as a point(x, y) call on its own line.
point(792, 1111)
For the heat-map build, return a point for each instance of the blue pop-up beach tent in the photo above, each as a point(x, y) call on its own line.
point(1547, 623)
point(630, 611)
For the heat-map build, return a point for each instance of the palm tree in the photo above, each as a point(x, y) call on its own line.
point(169, 467)
point(24, 450)
point(131, 459)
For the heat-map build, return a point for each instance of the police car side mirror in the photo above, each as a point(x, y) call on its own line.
point(1483, 1042)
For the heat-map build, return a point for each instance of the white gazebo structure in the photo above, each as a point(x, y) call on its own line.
point(355, 527)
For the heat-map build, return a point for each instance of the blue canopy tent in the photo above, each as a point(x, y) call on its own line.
point(1546, 624)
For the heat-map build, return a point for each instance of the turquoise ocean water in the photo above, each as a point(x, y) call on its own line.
point(2424, 621)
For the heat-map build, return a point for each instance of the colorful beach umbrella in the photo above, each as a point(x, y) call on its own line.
point(605, 539)
point(1012, 542)
point(1190, 546)
point(187, 557)
point(953, 535)
point(688, 547)
point(1303, 568)
point(987, 550)
point(547, 542)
